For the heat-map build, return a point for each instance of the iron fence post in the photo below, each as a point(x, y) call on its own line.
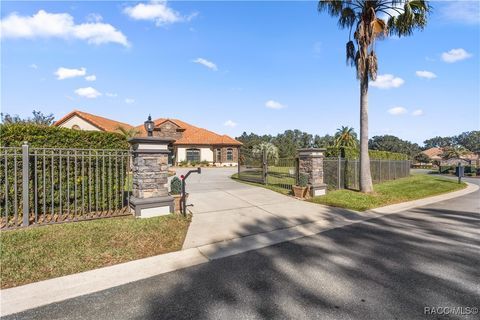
point(265, 166)
point(339, 172)
point(25, 183)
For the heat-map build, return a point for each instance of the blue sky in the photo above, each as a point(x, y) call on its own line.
point(237, 66)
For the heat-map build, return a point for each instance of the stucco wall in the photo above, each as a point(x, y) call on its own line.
point(206, 153)
point(75, 120)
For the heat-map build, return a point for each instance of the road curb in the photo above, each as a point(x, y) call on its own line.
point(33, 295)
point(395, 208)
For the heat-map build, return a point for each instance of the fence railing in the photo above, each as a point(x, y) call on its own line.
point(47, 185)
point(339, 173)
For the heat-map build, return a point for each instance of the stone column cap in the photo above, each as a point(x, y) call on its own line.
point(153, 140)
point(311, 151)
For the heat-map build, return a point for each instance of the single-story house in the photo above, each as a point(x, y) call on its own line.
point(435, 154)
point(192, 144)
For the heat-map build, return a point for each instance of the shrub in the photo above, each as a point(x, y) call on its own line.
point(175, 186)
point(302, 180)
point(204, 163)
point(183, 163)
point(13, 135)
point(353, 153)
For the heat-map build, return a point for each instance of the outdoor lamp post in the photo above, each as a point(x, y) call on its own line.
point(149, 126)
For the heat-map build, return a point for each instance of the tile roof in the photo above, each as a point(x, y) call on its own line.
point(433, 153)
point(193, 135)
point(99, 122)
point(436, 154)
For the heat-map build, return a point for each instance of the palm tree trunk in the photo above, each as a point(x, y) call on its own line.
point(365, 174)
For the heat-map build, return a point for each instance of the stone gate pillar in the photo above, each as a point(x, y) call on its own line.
point(150, 196)
point(310, 163)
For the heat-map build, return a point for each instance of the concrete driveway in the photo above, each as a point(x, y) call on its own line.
point(225, 209)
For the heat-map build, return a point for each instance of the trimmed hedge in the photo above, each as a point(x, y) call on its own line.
point(351, 153)
point(13, 135)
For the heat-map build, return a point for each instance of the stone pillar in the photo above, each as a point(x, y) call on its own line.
point(150, 196)
point(310, 163)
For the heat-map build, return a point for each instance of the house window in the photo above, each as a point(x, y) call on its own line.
point(219, 155)
point(76, 127)
point(229, 154)
point(193, 155)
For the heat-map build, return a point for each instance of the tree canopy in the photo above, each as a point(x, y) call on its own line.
point(38, 118)
point(393, 144)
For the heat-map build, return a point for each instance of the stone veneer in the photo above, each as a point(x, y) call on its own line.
point(150, 175)
point(150, 196)
point(310, 163)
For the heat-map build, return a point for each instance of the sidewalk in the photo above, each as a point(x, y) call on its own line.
point(33, 295)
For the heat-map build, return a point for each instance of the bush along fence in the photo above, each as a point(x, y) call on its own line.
point(337, 172)
point(54, 185)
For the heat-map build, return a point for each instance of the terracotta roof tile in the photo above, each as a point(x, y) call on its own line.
point(194, 135)
point(433, 153)
point(99, 122)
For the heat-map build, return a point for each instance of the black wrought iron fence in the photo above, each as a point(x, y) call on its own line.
point(46, 186)
point(345, 174)
point(251, 166)
point(338, 173)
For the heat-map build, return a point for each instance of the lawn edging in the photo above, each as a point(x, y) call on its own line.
point(398, 207)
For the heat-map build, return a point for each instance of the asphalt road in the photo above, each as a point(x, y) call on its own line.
point(386, 268)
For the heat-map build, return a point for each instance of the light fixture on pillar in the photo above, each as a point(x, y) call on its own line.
point(149, 126)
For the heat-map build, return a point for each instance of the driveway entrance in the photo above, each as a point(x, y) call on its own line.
point(225, 209)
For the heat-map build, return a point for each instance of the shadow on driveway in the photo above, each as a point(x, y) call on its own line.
point(384, 268)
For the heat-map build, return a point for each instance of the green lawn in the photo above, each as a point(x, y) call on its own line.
point(391, 192)
point(38, 253)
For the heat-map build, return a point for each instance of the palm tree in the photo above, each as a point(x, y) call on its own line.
point(270, 150)
point(345, 138)
point(402, 18)
point(127, 133)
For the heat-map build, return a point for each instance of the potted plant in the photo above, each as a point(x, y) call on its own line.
point(176, 192)
point(300, 190)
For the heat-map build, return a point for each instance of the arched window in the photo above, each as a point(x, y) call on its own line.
point(193, 155)
point(229, 154)
point(76, 127)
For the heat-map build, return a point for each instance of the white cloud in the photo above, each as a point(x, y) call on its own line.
point(455, 55)
point(111, 95)
point(467, 12)
point(59, 25)
point(206, 63)
point(33, 66)
point(65, 73)
point(156, 11)
point(91, 77)
point(94, 17)
point(426, 74)
point(230, 123)
point(272, 104)
point(417, 113)
point(88, 92)
point(129, 100)
point(387, 81)
point(396, 111)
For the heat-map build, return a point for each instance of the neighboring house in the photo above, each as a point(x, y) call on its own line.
point(191, 143)
point(436, 155)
